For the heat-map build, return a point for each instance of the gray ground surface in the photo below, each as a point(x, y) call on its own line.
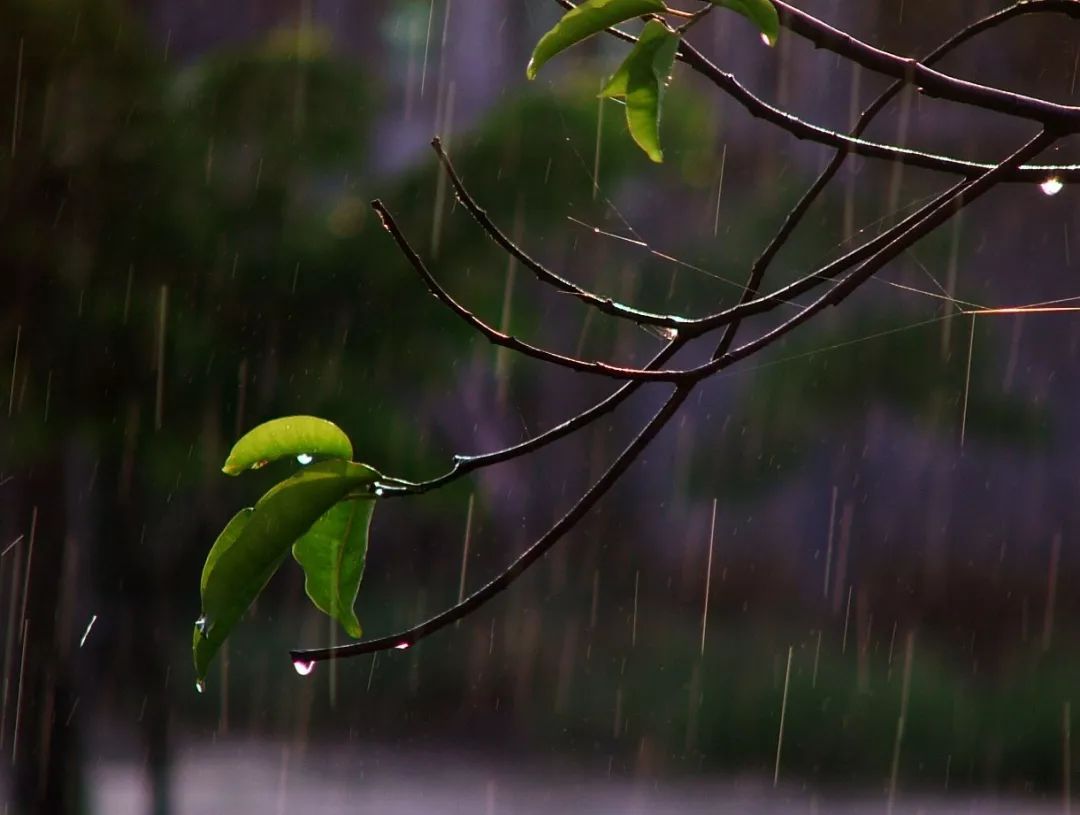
point(262, 779)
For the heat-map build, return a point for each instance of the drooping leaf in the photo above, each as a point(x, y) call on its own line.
point(642, 80)
point(226, 539)
point(761, 13)
point(332, 554)
point(285, 437)
point(255, 542)
point(589, 18)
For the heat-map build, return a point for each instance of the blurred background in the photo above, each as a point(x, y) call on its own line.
point(887, 499)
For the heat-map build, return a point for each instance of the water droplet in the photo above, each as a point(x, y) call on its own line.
point(200, 686)
point(305, 459)
point(401, 646)
point(303, 667)
point(1052, 186)
point(203, 625)
point(379, 492)
point(765, 38)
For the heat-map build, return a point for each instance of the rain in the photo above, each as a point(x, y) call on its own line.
point(741, 481)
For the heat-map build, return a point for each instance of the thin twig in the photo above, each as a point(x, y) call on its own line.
point(542, 273)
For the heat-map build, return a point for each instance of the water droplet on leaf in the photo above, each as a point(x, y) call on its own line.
point(200, 686)
point(401, 646)
point(305, 459)
point(303, 667)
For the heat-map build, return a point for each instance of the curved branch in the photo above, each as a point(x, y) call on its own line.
point(806, 131)
point(411, 636)
point(480, 597)
point(934, 83)
point(940, 213)
point(539, 270)
point(795, 215)
point(509, 341)
point(467, 464)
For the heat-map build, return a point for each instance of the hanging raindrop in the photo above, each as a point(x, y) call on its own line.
point(303, 667)
point(305, 459)
point(1052, 186)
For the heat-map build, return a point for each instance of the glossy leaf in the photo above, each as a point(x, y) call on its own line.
point(256, 541)
point(642, 81)
point(589, 18)
point(332, 554)
point(761, 13)
point(287, 437)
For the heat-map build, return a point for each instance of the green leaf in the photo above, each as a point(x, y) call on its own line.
point(256, 541)
point(332, 554)
point(285, 437)
point(642, 80)
point(590, 17)
point(761, 13)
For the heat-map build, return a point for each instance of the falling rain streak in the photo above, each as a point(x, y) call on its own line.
point(170, 187)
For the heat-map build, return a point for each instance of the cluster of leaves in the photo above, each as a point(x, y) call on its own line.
point(322, 514)
point(642, 79)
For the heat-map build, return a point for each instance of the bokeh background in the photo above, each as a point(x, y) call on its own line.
point(186, 250)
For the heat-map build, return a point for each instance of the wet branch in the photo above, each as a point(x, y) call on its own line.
point(463, 465)
point(926, 79)
point(864, 262)
point(539, 270)
point(405, 639)
point(806, 131)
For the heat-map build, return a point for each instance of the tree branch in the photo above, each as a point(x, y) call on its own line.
point(807, 131)
point(509, 340)
point(934, 83)
point(541, 272)
point(405, 639)
point(796, 214)
point(478, 598)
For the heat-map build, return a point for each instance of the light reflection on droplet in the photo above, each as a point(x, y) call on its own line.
point(200, 686)
point(305, 459)
point(1052, 186)
point(765, 38)
point(303, 667)
point(379, 492)
point(401, 646)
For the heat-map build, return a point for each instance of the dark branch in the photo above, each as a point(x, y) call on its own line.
point(798, 212)
point(542, 273)
point(971, 191)
point(467, 464)
point(411, 636)
point(934, 83)
point(940, 213)
point(800, 129)
point(508, 340)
